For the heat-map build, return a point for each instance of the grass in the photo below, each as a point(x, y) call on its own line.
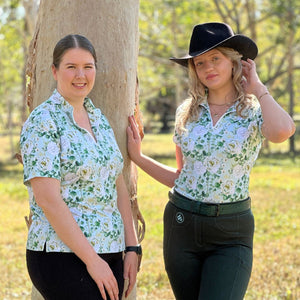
point(14, 283)
point(275, 190)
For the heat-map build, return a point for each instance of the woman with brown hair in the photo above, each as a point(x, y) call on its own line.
point(82, 220)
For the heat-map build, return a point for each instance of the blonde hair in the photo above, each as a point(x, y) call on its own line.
point(190, 108)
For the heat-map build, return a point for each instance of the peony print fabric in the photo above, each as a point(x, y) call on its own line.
point(218, 159)
point(54, 146)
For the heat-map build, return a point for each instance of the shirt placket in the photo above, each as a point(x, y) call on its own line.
point(209, 141)
point(210, 149)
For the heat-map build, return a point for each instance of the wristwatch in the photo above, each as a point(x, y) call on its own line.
point(137, 249)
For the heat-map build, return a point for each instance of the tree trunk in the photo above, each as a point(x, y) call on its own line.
point(10, 127)
point(30, 7)
point(112, 27)
point(291, 63)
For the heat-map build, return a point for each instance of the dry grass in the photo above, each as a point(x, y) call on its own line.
point(275, 190)
point(14, 283)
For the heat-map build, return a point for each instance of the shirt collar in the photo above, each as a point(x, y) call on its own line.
point(57, 98)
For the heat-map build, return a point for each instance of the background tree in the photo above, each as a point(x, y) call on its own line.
point(17, 20)
point(11, 66)
point(165, 28)
point(112, 27)
point(285, 15)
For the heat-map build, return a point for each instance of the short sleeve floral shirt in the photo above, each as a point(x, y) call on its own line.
point(53, 145)
point(217, 160)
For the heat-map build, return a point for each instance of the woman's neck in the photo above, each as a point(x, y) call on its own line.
point(221, 97)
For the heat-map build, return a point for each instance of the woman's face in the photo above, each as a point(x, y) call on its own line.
point(214, 69)
point(75, 74)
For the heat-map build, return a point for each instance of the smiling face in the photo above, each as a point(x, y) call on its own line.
point(75, 74)
point(214, 70)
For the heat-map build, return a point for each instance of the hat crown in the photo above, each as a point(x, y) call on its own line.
point(208, 35)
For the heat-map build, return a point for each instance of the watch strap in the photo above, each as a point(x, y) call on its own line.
point(137, 249)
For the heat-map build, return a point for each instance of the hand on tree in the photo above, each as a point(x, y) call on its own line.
point(133, 140)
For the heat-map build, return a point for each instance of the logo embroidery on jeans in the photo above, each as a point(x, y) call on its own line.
point(179, 217)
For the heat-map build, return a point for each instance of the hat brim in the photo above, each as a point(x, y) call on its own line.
point(241, 43)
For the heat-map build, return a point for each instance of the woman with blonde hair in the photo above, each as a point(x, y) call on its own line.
point(219, 130)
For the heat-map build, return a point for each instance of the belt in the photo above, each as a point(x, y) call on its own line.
point(209, 209)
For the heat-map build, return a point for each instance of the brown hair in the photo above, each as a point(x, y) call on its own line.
point(72, 41)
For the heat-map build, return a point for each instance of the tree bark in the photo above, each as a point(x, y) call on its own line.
point(112, 27)
point(31, 8)
point(291, 64)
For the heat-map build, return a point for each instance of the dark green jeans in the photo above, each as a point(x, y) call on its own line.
point(208, 258)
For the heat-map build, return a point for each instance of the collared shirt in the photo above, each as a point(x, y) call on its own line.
point(54, 146)
point(217, 160)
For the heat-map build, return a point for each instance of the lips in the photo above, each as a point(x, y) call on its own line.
point(211, 76)
point(79, 85)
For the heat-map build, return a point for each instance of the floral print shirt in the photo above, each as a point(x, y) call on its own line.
point(217, 160)
point(54, 146)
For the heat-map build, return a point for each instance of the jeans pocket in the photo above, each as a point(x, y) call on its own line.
point(228, 224)
point(235, 228)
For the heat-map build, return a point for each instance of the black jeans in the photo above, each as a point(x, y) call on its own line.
point(208, 258)
point(63, 276)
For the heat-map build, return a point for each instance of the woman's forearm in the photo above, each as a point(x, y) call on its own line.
point(278, 125)
point(160, 172)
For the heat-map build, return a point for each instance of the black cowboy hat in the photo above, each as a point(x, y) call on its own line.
point(208, 36)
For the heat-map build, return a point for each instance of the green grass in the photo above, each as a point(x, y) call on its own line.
point(275, 192)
